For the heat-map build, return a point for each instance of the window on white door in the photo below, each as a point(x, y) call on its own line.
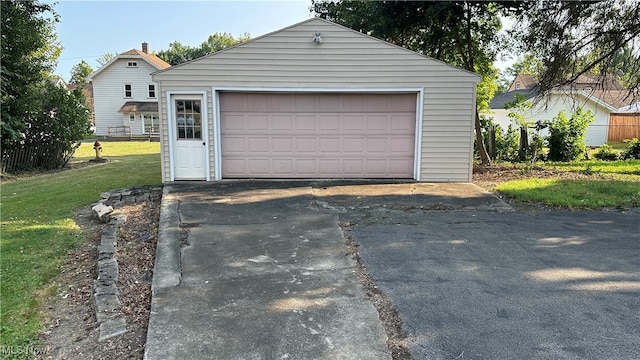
point(188, 119)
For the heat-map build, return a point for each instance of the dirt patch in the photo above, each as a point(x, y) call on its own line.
point(396, 336)
point(72, 331)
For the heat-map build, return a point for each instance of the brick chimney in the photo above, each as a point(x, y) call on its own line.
point(145, 48)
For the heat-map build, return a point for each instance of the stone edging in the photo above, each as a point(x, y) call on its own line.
point(105, 290)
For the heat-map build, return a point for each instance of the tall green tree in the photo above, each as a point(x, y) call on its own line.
point(461, 33)
point(572, 38)
point(179, 53)
point(29, 51)
point(80, 72)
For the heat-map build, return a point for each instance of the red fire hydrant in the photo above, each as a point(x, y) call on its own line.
point(98, 148)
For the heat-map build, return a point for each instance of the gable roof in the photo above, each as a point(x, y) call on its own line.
point(606, 90)
point(152, 59)
point(499, 101)
point(526, 82)
point(315, 19)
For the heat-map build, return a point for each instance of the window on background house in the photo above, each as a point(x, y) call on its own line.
point(128, 90)
point(151, 123)
point(132, 64)
point(132, 117)
point(152, 91)
point(517, 86)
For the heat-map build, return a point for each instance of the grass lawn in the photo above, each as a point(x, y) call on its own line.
point(38, 227)
point(600, 184)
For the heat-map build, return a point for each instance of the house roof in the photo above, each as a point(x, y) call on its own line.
point(606, 90)
point(526, 82)
point(152, 59)
point(159, 63)
point(499, 101)
point(231, 48)
point(139, 106)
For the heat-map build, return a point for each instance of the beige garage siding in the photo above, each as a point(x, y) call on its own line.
point(346, 60)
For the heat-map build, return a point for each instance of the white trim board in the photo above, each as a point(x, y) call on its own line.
point(215, 91)
point(205, 127)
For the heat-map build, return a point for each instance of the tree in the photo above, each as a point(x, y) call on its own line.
point(29, 52)
point(105, 58)
point(80, 72)
point(566, 135)
point(35, 112)
point(572, 38)
point(460, 33)
point(179, 53)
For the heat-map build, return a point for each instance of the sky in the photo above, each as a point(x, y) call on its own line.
point(88, 29)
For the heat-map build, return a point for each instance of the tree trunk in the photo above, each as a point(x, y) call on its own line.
point(482, 150)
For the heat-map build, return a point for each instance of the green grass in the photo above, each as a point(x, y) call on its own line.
point(614, 184)
point(38, 228)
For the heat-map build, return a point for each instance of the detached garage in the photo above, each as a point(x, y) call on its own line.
point(316, 100)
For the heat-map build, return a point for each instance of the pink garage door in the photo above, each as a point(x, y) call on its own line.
point(282, 135)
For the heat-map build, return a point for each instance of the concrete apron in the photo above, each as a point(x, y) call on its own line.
point(249, 273)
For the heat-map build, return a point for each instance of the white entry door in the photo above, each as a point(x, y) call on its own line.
point(189, 139)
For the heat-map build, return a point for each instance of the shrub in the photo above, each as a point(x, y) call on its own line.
point(566, 135)
point(633, 151)
point(606, 152)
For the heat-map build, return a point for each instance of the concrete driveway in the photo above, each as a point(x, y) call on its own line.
point(259, 270)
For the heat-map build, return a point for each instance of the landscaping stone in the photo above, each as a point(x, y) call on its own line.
point(105, 290)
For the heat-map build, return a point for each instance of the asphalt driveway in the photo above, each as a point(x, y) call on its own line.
point(259, 270)
point(514, 285)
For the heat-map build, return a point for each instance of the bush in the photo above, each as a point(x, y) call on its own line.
point(606, 153)
point(60, 120)
point(566, 135)
point(633, 151)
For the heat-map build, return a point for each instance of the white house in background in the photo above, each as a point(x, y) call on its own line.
point(588, 92)
point(125, 97)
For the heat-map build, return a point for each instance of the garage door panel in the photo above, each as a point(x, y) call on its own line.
point(306, 145)
point(257, 122)
point(306, 122)
point(329, 145)
point(282, 166)
point(400, 165)
point(259, 145)
point(402, 122)
point(329, 122)
point(235, 145)
point(353, 122)
point(234, 122)
point(282, 122)
point(377, 145)
point(282, 145)
point(401, 145)
point(353, 145)
point(306, 167)
point(317, 135)
point(353, 167)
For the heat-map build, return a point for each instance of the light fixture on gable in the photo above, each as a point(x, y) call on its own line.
point(317, 38)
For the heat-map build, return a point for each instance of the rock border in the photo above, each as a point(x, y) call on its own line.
point(105, 290)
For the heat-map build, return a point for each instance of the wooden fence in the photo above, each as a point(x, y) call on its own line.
point(623, 126)
point(32, 156)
